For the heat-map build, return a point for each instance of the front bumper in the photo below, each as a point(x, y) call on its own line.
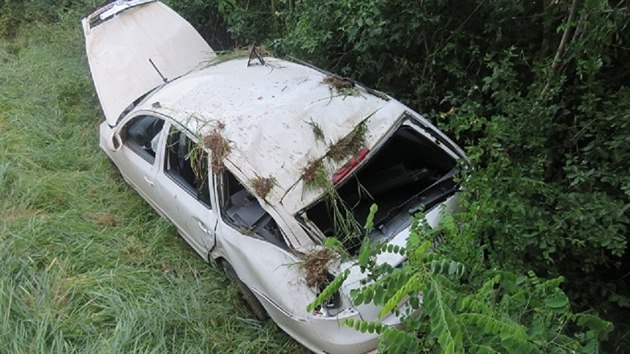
point(328, 334)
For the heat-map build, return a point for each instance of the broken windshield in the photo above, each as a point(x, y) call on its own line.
point(408, 173)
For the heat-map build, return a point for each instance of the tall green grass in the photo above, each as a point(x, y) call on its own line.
point(85, 264)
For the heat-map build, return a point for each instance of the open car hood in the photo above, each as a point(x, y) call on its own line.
point(133, 46)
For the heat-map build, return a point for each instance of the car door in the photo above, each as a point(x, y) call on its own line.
point(253, 241)
point(185, 183)
point(137, 157)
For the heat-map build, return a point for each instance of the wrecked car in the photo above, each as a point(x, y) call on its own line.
point(257, 160)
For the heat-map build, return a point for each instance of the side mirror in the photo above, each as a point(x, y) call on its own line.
point(114, 142)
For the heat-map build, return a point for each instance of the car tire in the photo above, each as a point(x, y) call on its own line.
point(257, 308)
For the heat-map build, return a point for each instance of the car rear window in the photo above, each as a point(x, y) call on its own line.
point(405, 175)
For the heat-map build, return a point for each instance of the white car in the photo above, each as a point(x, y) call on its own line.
point(246, 156)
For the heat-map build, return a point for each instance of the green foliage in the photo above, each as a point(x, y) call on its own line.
point(550, 187)
point(16, 13)
point(485, 310)
point(328, 292)
point(252, 22)
point(334, 244)
point(206, 17)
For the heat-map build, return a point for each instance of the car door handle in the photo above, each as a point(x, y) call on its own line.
point(202, 226)
point(150, 182)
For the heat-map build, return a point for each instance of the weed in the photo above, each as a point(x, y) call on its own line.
point(220, 147)
point(336, 245)
point(346, 226)
point(315, 267)
point(348, 145)
point(104, 219)
point(314, 175)
point(262, 186)
point(317, 131)
point(198, 159)
point(339, 83)
point(344, 86)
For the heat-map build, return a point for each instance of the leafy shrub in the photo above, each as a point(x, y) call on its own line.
point(466, 307)
point(206, 17)
point(252, 22)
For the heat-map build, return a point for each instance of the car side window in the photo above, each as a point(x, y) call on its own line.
point(186, 163)
point(141, 135)
point(242, 210)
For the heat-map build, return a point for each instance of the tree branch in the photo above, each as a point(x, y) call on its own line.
point(561, 49)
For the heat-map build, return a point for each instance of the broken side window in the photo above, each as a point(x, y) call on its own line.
point(408, 173)
point(242, 210)
point(186, 163)
point(139, 133)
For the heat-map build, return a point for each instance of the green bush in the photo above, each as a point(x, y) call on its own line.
point(466, 306)
point(205, 16)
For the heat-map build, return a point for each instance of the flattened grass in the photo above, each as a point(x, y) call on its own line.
point(85, 264)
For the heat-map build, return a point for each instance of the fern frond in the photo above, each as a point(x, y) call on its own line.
point(470, 303)
point(594, 323)
point(444, 325)
point(414, 283)
point(364, 326)
point(328, 292)
point(389, 248)
point(494, 326)
point(446, 267)
point(551, 284)
point(397, 341)
point(490, 284)
point(514, 345)
point(482, 349)
point(421, 251)
point(369, 221)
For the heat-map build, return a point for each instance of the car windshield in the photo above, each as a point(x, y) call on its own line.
point(410, 172)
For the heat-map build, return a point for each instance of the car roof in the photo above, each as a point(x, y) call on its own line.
point(269, 114)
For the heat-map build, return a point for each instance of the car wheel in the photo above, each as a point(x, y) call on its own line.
point(257, 308)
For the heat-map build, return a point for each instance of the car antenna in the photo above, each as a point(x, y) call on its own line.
point(158, 71)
